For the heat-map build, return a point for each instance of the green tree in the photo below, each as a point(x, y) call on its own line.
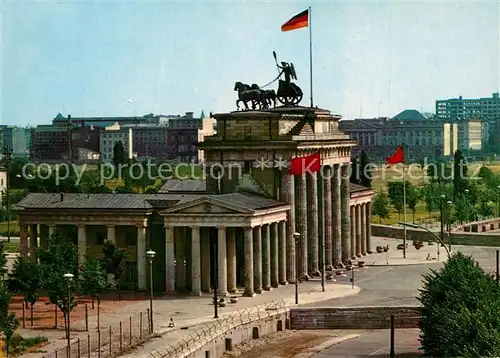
point(460, 179)
point(119, 156)
point(380, 206)
point(60, 257)
point(25, 278)
point(93, 280)
point(460, 305)
point(462, 209)
point(395, 191)
point(366, 174)
point(114, 262)
point(412, 199)
point(8, 321)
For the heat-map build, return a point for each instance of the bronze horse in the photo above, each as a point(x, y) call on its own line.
point(259, 98)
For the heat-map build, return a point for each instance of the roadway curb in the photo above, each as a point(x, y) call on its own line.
point(309, 352)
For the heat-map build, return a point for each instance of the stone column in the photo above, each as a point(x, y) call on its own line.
point(169, 260)
point(274, 255)
point(313, 226)
point(352, 246)
point(205, 260)
point(180, 258)
point(44, 236)
point(23, 239)
point(231, 260)
point(82, 244)
point(195, 262)
point(52, 230)
point(336, 215)
point(248, 264)
point(345, 215)
point(257, 259)
point(302, 227)
point(358, 231)
point(282, 259)
point(363, 229)
point(111, 233)
point(33, 240)
point(368, 208)
point(287, 195)
point(266, 257)
point(141, 258)
point(221, 262)
point(327, 216)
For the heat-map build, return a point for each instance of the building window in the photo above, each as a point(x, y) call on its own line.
point(130, 239)
point(99, 238)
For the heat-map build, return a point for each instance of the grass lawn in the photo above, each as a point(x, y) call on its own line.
point(19, 345)
point(14, 228)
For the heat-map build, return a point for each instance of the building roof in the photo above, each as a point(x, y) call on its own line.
point(188, 185)
point(409, 115)
point(147, 202)
point(355, 188)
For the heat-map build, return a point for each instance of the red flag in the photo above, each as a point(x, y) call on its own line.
point(301, 165)
point(298, 21)
point(397, 157)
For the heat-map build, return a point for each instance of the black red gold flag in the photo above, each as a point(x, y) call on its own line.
point(297, 22)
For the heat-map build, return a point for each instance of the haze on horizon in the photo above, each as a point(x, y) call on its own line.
point(132, 58)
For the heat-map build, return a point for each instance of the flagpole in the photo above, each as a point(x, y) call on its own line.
point(310, 56)
point(404, 208)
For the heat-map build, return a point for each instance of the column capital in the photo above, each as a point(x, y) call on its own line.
point(110, 225)
point(220, 227)
point(139, 225)
point(81, 225)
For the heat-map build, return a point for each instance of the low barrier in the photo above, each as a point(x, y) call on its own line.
point(354, 317)
point(457, 237)
point(214, 338)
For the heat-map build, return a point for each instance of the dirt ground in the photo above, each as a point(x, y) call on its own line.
point(285, 344)
point(44, 311)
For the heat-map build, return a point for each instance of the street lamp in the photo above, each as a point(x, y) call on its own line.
point(7, 156)
point(467, 191)
point(450, 203)
point(498, 196)
point(441, 216)
point(430, 232)
point(68, 277)
point(296, 237)
point(151, 255)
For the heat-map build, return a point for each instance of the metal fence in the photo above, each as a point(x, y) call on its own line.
point(210, 331)
point(108, 341)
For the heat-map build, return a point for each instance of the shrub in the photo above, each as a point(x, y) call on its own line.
point(461, 311)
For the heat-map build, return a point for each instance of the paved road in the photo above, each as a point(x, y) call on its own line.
point(384, 286)
point(376, 344)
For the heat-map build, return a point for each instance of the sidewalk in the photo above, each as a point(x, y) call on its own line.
point(188, 312)
point(394, 257)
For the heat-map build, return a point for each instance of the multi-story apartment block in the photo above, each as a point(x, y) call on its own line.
point(50, 143)
point(16, 139)
point(485, 109)
point(103, 122)
point(110, 136)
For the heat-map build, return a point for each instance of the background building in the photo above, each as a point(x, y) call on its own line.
point(380, 137)
point(486, 110)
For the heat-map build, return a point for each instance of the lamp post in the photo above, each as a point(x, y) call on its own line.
point(498, 199)
point(467, 191)
point(151, 254)
point(296, 237)
point(450, 203)
point(68, 277)
point(430, 232)
point(7, 156)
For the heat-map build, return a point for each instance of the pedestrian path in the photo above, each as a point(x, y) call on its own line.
point(394, 257)
point(188, 312)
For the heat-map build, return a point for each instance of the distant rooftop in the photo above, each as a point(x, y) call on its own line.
point(409, 115)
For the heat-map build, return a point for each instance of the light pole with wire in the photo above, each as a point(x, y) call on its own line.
point(68, 277)
point(450, 203)
point(151, 254)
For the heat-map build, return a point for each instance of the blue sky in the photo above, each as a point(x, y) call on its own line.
point(132, 58)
